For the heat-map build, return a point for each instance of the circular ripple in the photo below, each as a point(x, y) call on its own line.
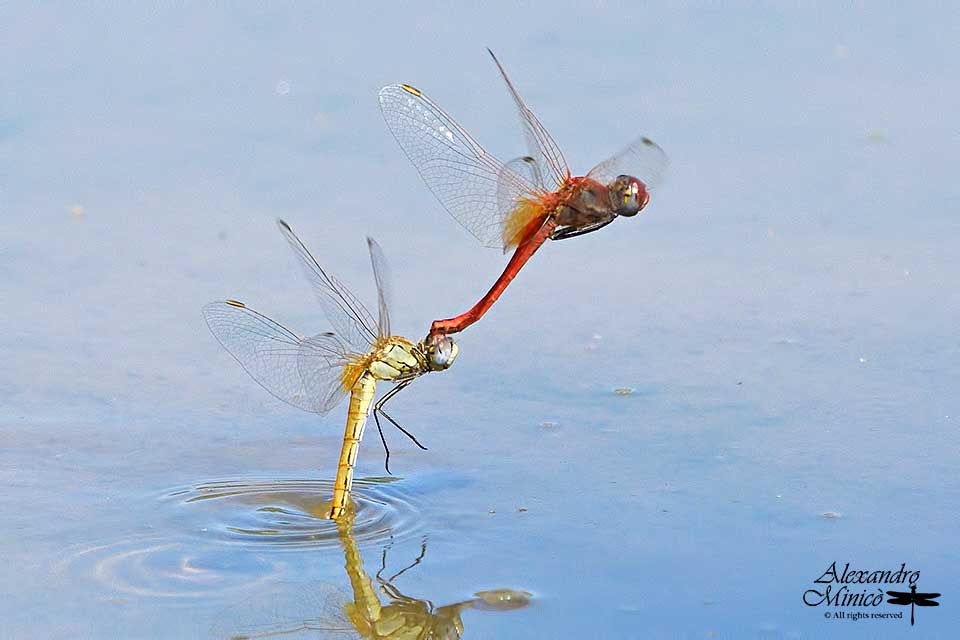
point(291, 513)
point(155, 567)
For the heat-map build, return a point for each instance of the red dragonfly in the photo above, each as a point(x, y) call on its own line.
point(521, 204)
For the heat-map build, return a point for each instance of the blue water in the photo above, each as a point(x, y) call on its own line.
point(784, 314)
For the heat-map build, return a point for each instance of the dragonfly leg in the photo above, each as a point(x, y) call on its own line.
point(386, 462)
point(568, 232)
point(378, 409)
point(423, 552)
point(383, 564)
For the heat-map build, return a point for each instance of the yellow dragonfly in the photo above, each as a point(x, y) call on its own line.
point(314, 373)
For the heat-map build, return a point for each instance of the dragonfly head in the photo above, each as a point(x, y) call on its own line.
point(628, 196)
point(440, 350)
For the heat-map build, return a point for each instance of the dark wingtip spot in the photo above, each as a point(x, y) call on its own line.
point(647, 141)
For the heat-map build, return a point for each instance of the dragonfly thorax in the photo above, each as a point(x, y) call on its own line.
point(396, 358)
point(587, 203)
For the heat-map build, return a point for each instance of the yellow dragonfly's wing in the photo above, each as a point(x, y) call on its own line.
point(287, 610)
point(303, 372)
point(350, 318)
point(382, 276)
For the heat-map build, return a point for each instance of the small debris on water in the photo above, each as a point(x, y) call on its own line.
point(322, 121)
point(492, 511)
point(76, 210)
point(594, 342)
point(862, 359)
point(548, 424)
point(522, 509)
point(502, 599)
point(623, 391)
point(830, 515)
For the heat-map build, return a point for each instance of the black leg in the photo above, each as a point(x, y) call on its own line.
point(405, 432)
point(563, 234)
point(378, 409)
point(376, 417)
point(383, 564)
point(386, 463)
point(423, 552)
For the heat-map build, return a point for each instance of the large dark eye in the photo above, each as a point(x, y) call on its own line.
point(628, 196)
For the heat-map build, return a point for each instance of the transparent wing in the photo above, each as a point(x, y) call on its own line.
point(304, 372)
point(287, 610)
point(460, 173)
point(643, 158)
point(540, 144)
point(381, 274)
point(349, 317)
point(527, 168)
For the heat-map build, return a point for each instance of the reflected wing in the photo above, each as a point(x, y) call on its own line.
point(540, 144)
point(382, 276)
point(304, 372)
point(344, 310)
point(460, 173)
point(287, 610)
point(643, 158)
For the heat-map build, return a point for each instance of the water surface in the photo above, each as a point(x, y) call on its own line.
point(670, 428)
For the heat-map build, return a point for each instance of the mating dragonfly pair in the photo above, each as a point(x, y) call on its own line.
point(518, 205)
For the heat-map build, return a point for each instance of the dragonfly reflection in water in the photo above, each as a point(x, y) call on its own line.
point(324, 611)
point(315, 373)
point(521, 204)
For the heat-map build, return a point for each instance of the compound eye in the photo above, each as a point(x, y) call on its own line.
point(631, 196)
point(443, 352)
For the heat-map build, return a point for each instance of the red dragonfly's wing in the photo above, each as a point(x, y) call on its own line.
point(476, 188)
point(527, 168)
point(304, 372)
point(349, 317)
point(541, 146)
point(643, 158)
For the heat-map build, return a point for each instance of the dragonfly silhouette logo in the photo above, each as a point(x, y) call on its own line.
point(913, 598)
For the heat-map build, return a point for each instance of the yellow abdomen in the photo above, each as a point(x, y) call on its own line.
point(361, 397)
